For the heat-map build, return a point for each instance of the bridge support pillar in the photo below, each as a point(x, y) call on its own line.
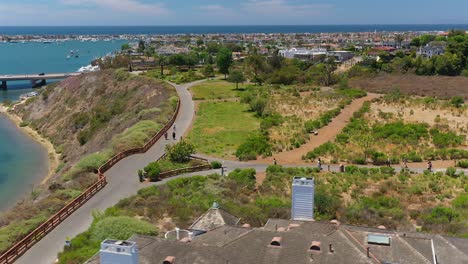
point(36, 84)
point(3, 86)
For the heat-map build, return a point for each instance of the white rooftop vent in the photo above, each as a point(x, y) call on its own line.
point(302, 199)
point(118, 252)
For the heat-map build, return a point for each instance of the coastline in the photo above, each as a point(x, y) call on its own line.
point(52, 156)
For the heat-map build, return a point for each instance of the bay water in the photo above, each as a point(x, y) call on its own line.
point(24, 162)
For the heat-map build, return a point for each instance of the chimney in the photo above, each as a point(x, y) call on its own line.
point(117, 251)
point(302, 199)
point(276, 241)
point(169, 260)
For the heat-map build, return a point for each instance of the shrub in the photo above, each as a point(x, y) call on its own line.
point(216, 165)
point(387, 170)
point(321, 150)
point(244, 177)
point(440, 215)
point(443, 140)
point(457, 101)
point(463, 164)
point(255, 145)
point(451, 171)
point(271, 121)
point(121, 228)
point(461, 202)
point(135, 136)
point(180, 152)
point(152, 171)
point(93, 161)
point(352, 169)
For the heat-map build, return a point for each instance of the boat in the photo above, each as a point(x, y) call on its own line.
point(68, 57)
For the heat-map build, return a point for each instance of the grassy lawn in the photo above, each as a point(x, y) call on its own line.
point(215, 89)
point(221, 127)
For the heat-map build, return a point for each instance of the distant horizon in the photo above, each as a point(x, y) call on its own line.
point(249, 25)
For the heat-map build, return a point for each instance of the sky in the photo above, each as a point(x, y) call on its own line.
point(230, 12)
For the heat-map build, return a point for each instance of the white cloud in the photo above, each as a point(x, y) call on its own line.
point(124, 6)
point(284, 8)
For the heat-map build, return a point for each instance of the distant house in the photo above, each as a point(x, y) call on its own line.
point(341, 55)
point(302, 54)
point(431, 50)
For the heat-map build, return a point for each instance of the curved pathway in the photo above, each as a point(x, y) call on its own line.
point(122, 182)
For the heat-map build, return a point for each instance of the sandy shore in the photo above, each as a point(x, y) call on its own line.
point(51, 153)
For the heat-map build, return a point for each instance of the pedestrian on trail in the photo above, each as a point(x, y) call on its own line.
point(174, 127)
point(275, 162)
point(389, 162)
point(166, 135)
point(319, 164)
point(174, 135)
point(429, 166)
point(405, 163)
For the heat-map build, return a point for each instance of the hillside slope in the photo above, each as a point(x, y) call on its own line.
point(88, 118)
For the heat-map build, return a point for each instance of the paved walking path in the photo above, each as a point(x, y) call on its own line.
point(122, 182)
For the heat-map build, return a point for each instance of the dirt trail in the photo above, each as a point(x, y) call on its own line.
point(327, 133)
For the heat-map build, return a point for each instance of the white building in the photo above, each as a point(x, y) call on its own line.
point(302, 54)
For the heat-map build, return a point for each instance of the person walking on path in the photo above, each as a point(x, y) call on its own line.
point(429, 166)
point(174, 135)
point(275, 162)
point(174, 127)
point(166, 135)
point(405, 163)
point(319, 164)
point(389, 163)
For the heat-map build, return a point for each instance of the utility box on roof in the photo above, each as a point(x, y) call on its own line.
point(302, 199)
point(118, 252)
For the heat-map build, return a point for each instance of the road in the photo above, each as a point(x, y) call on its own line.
point(122, 182)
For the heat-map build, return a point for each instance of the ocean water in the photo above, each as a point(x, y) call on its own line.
point(38, 57)
point(22, 163)
point(134, 30)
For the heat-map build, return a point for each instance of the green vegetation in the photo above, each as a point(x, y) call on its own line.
point(380, 140)
point(221, 127)
point(105, 226)
point(214, 89)
point(452, 63)
point(254, 146)
point(360, 196)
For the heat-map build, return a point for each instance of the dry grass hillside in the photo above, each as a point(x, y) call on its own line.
point(88, 118)
point(82, 114)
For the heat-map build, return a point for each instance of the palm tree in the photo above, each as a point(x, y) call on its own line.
point(162, 61)
point(399, 39)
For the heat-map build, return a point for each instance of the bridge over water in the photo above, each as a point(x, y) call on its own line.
point(36, 79)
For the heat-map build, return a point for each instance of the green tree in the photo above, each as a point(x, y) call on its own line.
point(256, 67)
point(399, 38)
point(200, 42)
point(236, 76)
point(162, 61)
point(180, 152)
point(125, 46)
point(208, 71)
point(224, 61)
point(141, 46)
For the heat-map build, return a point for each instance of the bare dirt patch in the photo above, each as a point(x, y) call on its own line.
point(439, 86)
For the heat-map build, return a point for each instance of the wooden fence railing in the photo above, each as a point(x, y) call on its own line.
point(17, 250)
